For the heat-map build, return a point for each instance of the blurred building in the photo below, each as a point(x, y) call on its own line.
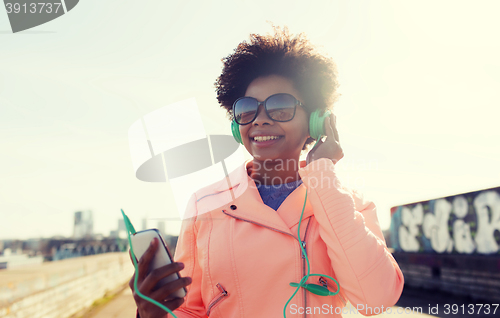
point(19, 253)
point(450, 244)
point(121, 230)
point(161, 228)
point(84, 225)
point(121, 225)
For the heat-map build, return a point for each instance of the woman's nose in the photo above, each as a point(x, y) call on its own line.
point(262, 117)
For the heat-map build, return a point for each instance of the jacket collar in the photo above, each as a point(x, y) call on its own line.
point(249, 205)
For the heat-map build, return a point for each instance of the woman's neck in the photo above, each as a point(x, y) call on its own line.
point(272, 172)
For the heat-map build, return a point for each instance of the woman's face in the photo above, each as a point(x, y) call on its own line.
point(292, 134)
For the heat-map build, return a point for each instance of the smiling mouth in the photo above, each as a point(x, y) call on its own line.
point(265, 138)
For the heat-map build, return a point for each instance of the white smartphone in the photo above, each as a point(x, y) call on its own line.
point(141, 241)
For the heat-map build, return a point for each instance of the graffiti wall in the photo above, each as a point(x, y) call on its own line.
point(468, 223)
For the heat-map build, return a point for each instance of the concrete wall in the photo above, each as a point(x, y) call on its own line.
point(476, 276)
point(63, 288)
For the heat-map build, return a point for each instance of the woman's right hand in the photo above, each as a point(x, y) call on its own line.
point(146, 283)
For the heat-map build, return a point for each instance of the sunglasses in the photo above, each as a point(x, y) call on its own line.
point(279, 107)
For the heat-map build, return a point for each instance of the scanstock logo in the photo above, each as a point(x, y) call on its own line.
point(25, 15)
point(170, 144)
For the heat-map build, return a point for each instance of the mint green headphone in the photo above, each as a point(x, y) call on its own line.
point(316, 126)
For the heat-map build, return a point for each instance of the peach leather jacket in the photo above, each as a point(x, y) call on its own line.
point(243, 255)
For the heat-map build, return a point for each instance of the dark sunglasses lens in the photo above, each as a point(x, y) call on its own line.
point(245, 110)
point(281, 107)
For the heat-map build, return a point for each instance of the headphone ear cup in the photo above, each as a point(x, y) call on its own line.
point(235, 129)
point(317, 124)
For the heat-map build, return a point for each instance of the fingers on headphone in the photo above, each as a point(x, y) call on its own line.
point(333, 123)
point(329, 130)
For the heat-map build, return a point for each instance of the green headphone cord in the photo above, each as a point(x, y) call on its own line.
point(131, 230)
point(313, 288)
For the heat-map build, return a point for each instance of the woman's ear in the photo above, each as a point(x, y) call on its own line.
point(309, 140)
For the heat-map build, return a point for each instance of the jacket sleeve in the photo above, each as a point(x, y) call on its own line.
point(348, 224)
point(186, 252)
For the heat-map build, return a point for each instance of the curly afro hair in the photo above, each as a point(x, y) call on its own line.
point(314, 75)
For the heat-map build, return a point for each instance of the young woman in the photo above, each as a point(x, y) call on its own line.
point(246, 258)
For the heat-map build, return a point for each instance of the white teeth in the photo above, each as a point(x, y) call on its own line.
point(265, 138)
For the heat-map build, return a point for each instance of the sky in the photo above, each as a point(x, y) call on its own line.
point(417, 118)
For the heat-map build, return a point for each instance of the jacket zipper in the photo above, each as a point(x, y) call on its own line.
point(216, 300)
point(279, 231)
point(256, 223)
point(304, 264)
point(325, 284)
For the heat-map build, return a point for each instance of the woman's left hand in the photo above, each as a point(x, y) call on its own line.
point(330, 148)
